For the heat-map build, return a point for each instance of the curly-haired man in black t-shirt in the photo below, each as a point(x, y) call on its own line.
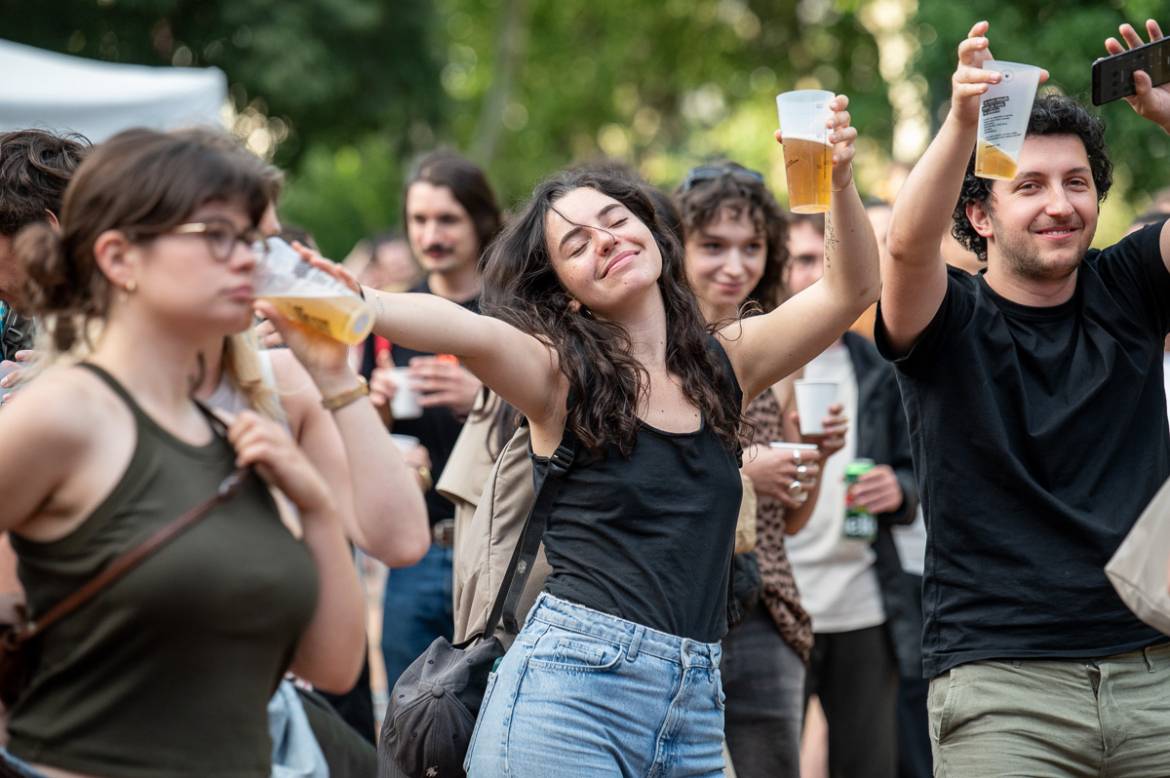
point(1038, 423)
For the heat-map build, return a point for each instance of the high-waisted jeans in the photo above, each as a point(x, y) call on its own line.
point(582, 693)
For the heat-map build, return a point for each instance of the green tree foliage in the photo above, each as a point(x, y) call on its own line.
point(657, 85)
point(1065, 38)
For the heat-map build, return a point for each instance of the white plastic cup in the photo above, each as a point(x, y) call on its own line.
point(813, 399)
point(405, 404)
point(808, 156)
point(1004, 110)
point(405, 443)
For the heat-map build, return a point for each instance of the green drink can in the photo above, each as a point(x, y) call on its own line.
point(860, 524)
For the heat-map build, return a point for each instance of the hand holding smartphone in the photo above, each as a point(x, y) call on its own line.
point(1113, 75)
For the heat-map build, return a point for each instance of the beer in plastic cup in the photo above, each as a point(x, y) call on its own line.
point(813, 399)
point(1004, 110)
point(405, 403)
point(311, 297)
point(808, 156)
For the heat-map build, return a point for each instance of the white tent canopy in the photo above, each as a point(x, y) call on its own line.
point(44, 90)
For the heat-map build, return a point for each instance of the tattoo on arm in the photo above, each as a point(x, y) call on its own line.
point(832, 242)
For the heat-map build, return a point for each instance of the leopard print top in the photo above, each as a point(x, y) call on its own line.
point(780, 595)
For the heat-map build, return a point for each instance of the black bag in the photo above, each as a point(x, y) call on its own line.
point(435, 702)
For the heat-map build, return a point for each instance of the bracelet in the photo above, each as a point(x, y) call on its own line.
point(339, 401)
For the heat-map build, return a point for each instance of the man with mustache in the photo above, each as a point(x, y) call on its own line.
point(451, 215)
point(1038, 426)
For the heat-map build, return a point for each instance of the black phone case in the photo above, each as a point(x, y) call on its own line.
point(1113, 76)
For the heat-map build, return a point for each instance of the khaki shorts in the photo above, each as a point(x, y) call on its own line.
point(1059, 718)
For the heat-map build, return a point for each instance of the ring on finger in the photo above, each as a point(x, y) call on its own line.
point(795, 488)
point(801, 471)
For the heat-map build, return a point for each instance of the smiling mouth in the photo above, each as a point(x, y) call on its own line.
point(1058, 232)
point(622, 257)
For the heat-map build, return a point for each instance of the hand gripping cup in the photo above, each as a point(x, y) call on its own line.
point(808, 156)
point(311, 297)
point(1004, 110)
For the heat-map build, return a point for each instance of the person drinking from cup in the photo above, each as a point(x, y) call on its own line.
point(735, 253)
point(593, 329)
point(1038, 425)
point(171, 667)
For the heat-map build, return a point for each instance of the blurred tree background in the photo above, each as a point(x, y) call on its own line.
point(344, 93)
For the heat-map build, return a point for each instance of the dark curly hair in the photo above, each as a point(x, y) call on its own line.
point(701, 203)
point(1051, 115)
point(521, 288)
point(35, 168)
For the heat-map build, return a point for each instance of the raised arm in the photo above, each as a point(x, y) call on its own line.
point(1150, 102)
point(513, 364)
point(764, 349)
point(914, 275)
point(383, 510)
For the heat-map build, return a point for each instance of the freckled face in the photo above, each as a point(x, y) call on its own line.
point(602, 253)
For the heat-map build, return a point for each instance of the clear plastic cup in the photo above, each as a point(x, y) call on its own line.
point(1004, 110)
point(808, 156)
point(813, 399)
point(311, 297)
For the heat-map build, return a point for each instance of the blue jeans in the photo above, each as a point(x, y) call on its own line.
point(417, 608)
point(585, 694)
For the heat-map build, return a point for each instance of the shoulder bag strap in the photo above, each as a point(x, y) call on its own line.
point(130, 559)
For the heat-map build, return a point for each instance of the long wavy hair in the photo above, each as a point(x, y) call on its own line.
point(605, 379)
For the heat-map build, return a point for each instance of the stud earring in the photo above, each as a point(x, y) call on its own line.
point(131, 286)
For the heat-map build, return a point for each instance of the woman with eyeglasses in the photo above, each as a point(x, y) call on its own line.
point(167, 671)
point(735, 246)
point(590, 327)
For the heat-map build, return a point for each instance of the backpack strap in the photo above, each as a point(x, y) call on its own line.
point(528, 545)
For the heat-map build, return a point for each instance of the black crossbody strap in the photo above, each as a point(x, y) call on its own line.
point(531, 536)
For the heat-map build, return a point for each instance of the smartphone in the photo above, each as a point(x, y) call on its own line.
point(1113, 76)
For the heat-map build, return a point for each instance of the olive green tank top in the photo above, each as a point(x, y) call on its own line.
point(169, 670)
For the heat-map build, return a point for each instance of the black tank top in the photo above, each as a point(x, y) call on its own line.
point(649, 538)
point(168, 671)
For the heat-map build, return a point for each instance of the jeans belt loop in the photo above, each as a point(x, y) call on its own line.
point(443, 533)
point(635, 643)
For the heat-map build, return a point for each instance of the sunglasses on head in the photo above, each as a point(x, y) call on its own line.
point(698, 175)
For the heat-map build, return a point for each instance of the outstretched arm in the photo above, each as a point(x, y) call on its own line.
point(1150, 102)
point(770, 347)
point(514, 364)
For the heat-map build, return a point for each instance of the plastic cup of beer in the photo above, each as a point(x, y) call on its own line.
point(1004, 110)
point(808, 156)
point(311, 297)
point(405, 403)
point(813, 399)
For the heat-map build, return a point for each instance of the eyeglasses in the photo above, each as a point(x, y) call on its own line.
point(698, 175)
point(222, 237)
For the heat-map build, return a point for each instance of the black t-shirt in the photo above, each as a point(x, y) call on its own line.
point(437, 429)
point(1039, 436)
point(649, 538)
